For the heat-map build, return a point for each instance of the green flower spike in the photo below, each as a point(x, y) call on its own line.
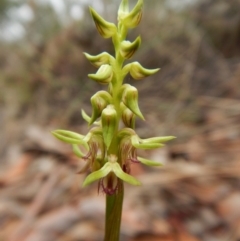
point(103, 75)
point(108, 149)
point(105, 28)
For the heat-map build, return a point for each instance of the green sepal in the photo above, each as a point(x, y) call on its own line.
point(101, 148)
point(132, 19)
point(138, 72)
point(96, 165)
point(123, 8)
point(103, 75)
point(126, 132)
point(137, 144)
point(77, 151)
point(128, 117)
point(109, 124)
point(98, 60)
point(96, 130)
point(127, 49)
point(88, 137)
point(103, 172)
point(124, 176)
point(130, 99)
point(148, 162)
point(70, 137)
point(98, 104)
point(161, 139)
point(105, 28)
point(85, 116)
point(126, 69)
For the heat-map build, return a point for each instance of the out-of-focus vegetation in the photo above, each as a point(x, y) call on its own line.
point(44, 73)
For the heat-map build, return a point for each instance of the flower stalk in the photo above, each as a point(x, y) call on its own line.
point(109, 149)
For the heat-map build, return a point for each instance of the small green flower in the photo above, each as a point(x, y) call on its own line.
point(100, 59)
point(105, 28)
point(127, 49)
point(130, 19)
point(108, 175)
point(103, 75)
point(99, 102)
point(137, 71)
point(130, 99)
point(130, 142)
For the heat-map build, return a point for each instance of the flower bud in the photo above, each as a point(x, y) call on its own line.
point(105, 28)
point(103, 75)
point(98, 60)
point(123, 8)
point(132, 19)
point(109, 124)
point(128, 117)
point(127, 49)
point(99, 101)
point(138, 72)
point(130, 99)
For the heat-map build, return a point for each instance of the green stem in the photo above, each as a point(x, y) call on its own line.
point(114, 214)
point(114, 202)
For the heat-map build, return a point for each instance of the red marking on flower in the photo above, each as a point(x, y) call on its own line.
point(109, 184)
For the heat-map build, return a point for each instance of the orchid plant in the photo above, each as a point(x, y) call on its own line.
point(111, 144)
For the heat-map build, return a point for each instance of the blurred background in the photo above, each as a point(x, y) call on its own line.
point(195, 196)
